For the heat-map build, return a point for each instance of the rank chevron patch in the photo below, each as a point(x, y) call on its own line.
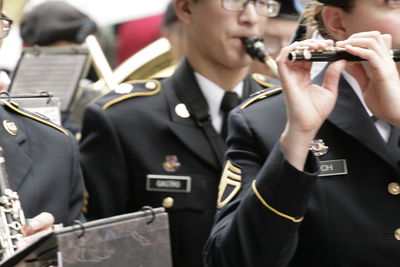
point(229, 185)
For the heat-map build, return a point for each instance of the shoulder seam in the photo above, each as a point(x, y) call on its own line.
point(260, 96)
point(8, 104)
point(131, 95)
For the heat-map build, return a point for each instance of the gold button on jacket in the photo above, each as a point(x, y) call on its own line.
point(397, 234)
point(394, 188)
point(168, 202)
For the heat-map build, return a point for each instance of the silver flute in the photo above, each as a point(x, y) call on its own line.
point(12, 217)
point(331, 54)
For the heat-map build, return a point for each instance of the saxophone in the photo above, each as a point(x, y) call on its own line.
point(12, 217)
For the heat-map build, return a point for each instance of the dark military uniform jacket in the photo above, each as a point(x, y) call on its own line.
point(42, 164)
point(143, 147)
point(341, 211)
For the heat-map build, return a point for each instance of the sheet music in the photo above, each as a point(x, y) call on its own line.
point(57, 74)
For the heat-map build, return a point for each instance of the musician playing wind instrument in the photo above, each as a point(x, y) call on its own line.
point(161, 143)
point(312, 175)
point(41, 162)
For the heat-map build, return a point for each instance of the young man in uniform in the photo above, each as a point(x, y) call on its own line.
point(161, 143)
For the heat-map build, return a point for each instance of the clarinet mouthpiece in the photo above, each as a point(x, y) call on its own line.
point(255, 48)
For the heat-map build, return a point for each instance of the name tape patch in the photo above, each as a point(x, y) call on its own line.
point(168, 183)
point(333, 167)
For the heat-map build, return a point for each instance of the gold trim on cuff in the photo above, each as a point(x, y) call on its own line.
point(293, 219)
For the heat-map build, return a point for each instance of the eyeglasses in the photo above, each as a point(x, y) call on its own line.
point(267, 8)
point(5, 26)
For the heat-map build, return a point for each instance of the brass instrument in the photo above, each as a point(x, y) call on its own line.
point(331, 54)
point(256, 49)
point(14, 9)
point(153, 61)
point(12, 217)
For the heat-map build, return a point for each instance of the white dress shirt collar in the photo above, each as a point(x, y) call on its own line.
point(213, 95)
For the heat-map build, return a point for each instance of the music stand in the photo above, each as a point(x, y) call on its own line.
point(56, 70)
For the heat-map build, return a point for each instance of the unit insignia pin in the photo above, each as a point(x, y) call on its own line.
point(182, 111)
point(10, 127)
point(171, 163)
point(318, 147)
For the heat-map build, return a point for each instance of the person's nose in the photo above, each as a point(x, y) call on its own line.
point(249, 15)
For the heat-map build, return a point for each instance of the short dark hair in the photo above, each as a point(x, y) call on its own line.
point(169, 15)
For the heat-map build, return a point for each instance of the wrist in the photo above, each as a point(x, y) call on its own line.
point(295, 146)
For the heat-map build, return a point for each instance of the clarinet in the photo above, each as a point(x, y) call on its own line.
point(12, 217)
point(255, 48)
point(331, 54)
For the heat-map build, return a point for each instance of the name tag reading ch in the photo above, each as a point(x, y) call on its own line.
point(333, 167)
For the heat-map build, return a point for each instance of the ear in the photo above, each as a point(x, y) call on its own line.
point(333, 18)
point(183, 10)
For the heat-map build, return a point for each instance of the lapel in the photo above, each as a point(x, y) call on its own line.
point(350, 116)
point(18, 163)
point(186, 129)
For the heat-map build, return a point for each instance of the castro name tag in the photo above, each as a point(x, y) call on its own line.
point(333, 167)
point(168, 183)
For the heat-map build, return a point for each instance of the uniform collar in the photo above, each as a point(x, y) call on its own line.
point(213, 95)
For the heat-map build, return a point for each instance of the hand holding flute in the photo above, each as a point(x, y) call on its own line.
point(370, 60)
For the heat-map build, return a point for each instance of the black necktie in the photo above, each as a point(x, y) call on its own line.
point(230, 101)
point(393, 141)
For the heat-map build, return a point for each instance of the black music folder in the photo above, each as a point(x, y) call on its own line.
point(134, 239)
point(56, 70)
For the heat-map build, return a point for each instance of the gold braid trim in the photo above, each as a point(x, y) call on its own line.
point(261, 79)
point(260, 96)
point(8, 104)
point(293, 219)
point(124, 97)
